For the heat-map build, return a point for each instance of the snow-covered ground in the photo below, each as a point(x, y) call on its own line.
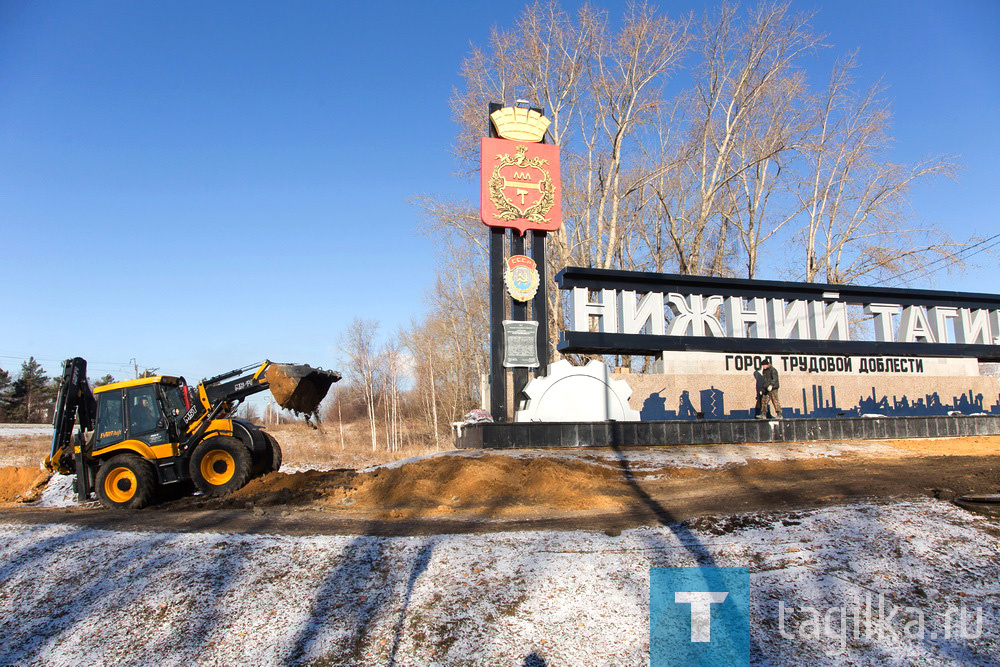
point(14, 430)
point(59, 492)
point(72, 596)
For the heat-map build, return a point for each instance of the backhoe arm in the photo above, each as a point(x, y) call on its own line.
point(236, 384)
point(296, 387)
point(74, 401)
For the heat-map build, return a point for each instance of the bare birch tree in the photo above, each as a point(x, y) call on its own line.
point(741, 122)
point(428, 359)
point(857, 219)
point(363, 367)
point(760, 203)
point(450, 346)
point(392, 372)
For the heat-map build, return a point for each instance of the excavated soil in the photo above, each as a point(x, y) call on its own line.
point(973, 445)
point(492, 485)
point(498, 486)
point(21, 484)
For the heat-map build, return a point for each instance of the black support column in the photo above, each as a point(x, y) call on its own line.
point(540, 304)
point(518, 313)
point(498, 374)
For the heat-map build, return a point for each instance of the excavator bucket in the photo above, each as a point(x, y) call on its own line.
point(299, 387)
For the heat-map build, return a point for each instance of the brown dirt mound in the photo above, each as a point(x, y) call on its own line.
point(973, 445)
point(498, 486)
point(487, 485)
point(21, 484)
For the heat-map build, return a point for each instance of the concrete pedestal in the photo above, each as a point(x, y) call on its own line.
point(717, 431)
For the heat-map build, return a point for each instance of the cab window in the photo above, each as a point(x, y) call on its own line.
point(173, 399)
point(143, 412)
point(109, 421)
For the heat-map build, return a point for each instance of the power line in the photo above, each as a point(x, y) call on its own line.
point(939, 260)
point(971, 254)
point(948, 260)
point(98, 363)
point(115, 367)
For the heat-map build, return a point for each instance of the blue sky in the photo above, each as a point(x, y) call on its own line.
point(200, 185)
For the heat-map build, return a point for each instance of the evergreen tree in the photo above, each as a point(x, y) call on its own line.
point(5, 387)
point(105, 379)
point(31, 393)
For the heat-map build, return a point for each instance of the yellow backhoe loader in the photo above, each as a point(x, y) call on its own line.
point(138, 437)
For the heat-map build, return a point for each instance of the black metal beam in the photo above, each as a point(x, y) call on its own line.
point(609, 343)
point(670, 282)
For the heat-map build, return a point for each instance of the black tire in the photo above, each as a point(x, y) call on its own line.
point(220, 465)
point(125, 482)
point(270, 459)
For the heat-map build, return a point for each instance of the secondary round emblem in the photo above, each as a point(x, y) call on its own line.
point(521, 277)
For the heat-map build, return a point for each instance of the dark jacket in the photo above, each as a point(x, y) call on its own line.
point(768, 376)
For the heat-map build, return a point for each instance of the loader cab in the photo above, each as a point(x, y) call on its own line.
point(143, 410)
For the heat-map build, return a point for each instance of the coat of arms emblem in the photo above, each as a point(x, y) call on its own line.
point(520, 185)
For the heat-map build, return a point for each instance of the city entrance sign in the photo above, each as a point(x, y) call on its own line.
point(630, 312)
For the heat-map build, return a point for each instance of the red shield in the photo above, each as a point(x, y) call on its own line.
point(520, 185)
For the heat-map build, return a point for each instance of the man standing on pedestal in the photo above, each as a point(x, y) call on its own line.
point(767, 390)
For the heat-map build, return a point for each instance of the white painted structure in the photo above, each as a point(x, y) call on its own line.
point(571, 393)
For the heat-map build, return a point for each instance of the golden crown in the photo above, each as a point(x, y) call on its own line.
point(520, 124)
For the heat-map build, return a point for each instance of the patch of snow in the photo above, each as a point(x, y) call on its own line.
point(15, 430)
point(76, 596)
point(59, 492)
point(719, 456)
point(305, 467)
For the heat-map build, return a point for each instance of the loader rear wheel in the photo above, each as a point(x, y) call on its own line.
point(220, 465)
point(270, 459)
point(125, 481)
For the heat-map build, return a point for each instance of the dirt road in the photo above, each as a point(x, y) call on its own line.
point(407, 500)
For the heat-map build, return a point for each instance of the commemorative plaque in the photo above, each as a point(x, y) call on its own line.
point(520, 344)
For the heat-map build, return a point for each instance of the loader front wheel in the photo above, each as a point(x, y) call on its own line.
point(125, 481)
point(220, 465)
